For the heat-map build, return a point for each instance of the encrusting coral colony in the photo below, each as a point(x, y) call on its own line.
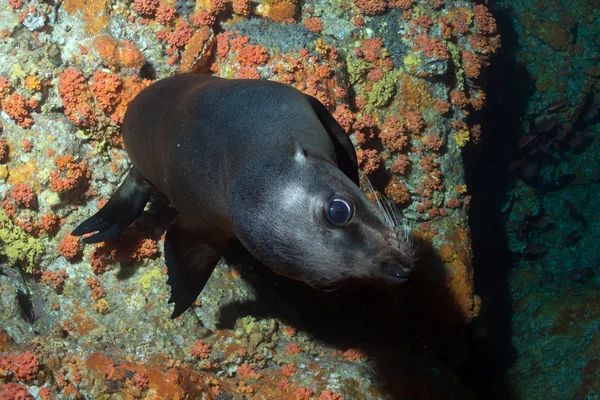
point(403, 78)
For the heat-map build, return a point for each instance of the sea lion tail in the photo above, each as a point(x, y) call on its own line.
point(124, 207)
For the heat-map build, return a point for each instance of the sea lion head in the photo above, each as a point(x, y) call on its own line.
point(308, 221)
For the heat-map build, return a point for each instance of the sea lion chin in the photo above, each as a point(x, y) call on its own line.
point(260, 161)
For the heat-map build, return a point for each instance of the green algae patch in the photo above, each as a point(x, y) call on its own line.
point(149, 278)
point(357, 69)
point(17, 245)
point(383, 90)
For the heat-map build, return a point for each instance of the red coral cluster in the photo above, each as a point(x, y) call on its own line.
point(23, 195)
point(24, 367)
point(68, 174)
point(252, 56)
point(432, 47)
point(14, 391)
point(18, 109)
point(69, 246)
point(181, 35)
point(55, 279)
point(371, 7)
point(97, 289)
point(368, 160)
point(393, 134)
point(414, 122)
point(397, 191)
point(76, 96)
point(165, 14)
point(105, 87)
point(145, 7)
point(140, 380)
point(433, 142)
point(484, 20)
point(313, 24)
point(200, 349)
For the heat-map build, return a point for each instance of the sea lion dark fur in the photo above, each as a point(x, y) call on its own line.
point(260, 161)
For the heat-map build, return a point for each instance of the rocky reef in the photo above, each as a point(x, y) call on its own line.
point(404, 78)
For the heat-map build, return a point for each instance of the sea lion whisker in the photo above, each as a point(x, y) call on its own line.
point(387, 216)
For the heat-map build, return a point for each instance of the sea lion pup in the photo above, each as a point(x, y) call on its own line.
point(260, 161)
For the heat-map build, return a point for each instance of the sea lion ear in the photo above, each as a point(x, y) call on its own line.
point(298, 152)
point(344, 149)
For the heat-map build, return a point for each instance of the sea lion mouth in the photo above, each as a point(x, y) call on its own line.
point(326, 286)
point(395, 274)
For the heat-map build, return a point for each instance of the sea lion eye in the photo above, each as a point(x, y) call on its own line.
point(339, 211)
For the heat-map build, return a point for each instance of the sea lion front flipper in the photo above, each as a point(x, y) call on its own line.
point(344, 149)
point(124, 207)
point(191, 257)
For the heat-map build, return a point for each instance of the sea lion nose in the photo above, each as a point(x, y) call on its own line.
point(396, 272)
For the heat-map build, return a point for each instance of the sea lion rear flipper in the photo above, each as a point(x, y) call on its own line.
point(124, 207)
point(191, 257)
point(344, 149)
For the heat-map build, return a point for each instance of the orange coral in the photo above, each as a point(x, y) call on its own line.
point(246, 371)
point(414, 121)
point(329, 395)
point(368, 160)
point(70, 246)
point(397, 191)
point(302, 393)
point(140, 380)
point(145, 7)
point(181, 35)
point(313, 24)
point(252, 56)
point(459, 99)
point(400, 165)
point(371, 7)
point(441, 106)
point(405, 4)
point(55, 279)
point(16, 108)
point(484, 19)
point(165, 14)
point(354, 355)
point(200, 349)
point(433, 142)
point(288, 369)
point(25, 366)
point(23, 195)
point(75, 94)
point(393, 134)
point(14, 4)
point(292, 348)
point(241, 7)
point(105, 88)
point(68, 175)
point(432, 47)
point(115, 54)
point(372, 49)
point(97, 290)
point(12, 391)
point(204, 18)
point(471, 64)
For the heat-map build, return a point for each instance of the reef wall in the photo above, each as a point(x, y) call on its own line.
point(404, 78)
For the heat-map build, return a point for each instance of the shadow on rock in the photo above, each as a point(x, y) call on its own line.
point(408, 333)
point(510, 86)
